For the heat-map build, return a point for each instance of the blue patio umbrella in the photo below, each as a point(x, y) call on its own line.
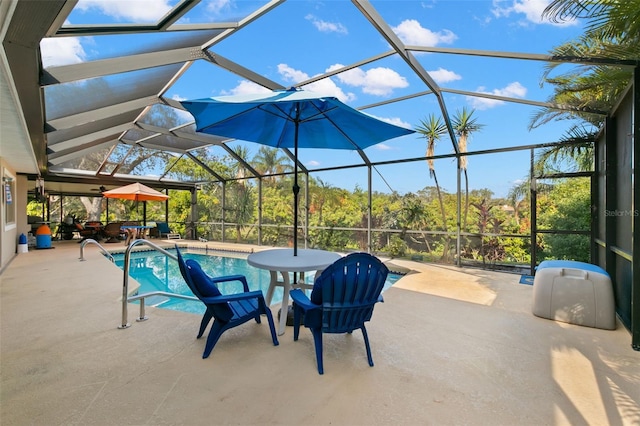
point(291, 119)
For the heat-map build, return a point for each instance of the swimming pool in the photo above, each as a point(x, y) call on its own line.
point(157, 272)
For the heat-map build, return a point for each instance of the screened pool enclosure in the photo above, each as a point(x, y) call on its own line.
point(108, 113)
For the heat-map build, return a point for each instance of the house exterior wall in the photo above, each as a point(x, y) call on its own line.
point(10, 230)
point(8, 226)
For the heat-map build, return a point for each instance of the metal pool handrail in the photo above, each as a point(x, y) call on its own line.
point(92, 241)
point(125, 280)
point(143, 296)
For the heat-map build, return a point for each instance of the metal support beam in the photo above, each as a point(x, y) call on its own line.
point(224, 207)
point(192, 232)
point(458, 212)
point(533, 194)
point(635, 204)
point(103, 113)
point(526, 56)
point(260, 183)
point(306, 210)
point(611, 196)
point(369, 207)
point(595, 215)
point(102, 67)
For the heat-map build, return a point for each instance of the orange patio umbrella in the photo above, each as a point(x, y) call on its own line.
point(136, 192)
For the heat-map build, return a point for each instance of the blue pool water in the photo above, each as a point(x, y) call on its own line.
point(156, 272)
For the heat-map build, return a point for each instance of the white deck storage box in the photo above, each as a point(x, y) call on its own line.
point(574, 292)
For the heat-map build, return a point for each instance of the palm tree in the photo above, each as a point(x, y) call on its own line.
point(321, 193)
point(237, 168)
point(433, 128)
point(268, 161)
point(464, 124)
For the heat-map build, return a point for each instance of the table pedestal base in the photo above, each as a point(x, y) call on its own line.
point(286, 287)
point(283, 262)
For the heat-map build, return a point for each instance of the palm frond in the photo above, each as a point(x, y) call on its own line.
point(612, 32)
point(568, 10)
point(577, 154)
point(432, 128)
point(519, 192)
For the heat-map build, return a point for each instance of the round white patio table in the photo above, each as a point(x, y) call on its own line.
point(283, 261)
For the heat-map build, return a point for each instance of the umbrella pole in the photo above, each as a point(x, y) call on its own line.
point(296, 188)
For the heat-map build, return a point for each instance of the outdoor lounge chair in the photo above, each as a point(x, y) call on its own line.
point(163, 231)
point(342, 300)
point(227, 311)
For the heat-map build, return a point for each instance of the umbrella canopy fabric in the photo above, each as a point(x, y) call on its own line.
point(291, 119)
point(136, 192)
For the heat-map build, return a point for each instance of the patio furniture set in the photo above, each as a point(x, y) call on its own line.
point(114, 232)
point(341, 301)
point(347, 288)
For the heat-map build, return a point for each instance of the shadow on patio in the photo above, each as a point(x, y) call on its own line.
point(450, 346)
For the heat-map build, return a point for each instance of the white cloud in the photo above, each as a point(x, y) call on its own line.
point(444, 76)
point(327, 27)
point(137, 11)
point(512, 90)
point(502, 8)
point(291, 74)
point(245, 87)
point(392, 120)
point(428, 4)
point(313, 163)
point(217, 6)
point(382, 147)
point(329, 87)
point(61, 51)
point(531, 9)
point(326, 86)
point(378, 81)
point(483, 103)
point(411, 32)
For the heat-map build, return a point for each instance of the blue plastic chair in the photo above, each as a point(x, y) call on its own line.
point(227, 311)
point(342, 300)
point(163, 229)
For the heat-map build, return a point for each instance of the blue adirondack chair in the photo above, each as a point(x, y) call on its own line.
point(227, 311)
point(342, 300)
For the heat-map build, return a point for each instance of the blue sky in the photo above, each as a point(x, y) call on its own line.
point(300, 39)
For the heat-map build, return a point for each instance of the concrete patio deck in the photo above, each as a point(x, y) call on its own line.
point(451, 347)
